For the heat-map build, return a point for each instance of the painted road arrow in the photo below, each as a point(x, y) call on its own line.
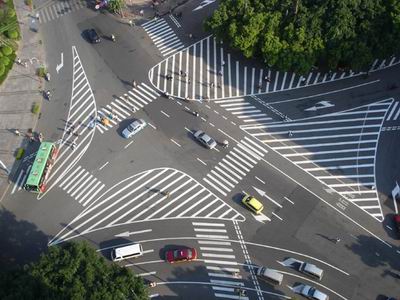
point(204, 4)
point(320, 105)
point(127, 233)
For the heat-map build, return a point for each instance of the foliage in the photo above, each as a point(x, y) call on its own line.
point(13, 34)
point(298, 34)
point(115, 6)
point(41, 72)
point(7, 50)
point(72, 271)
point(35, 108)
point(2, 69)
point(5, 61)
point(20, 153)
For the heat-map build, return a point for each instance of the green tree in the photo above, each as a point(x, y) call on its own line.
point(298, 34)
point(71, 271)
point(116, 6)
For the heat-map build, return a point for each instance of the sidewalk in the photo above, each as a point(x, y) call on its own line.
point(17, 95)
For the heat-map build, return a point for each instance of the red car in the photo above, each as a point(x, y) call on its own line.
point(181, 254)
point(396, 219)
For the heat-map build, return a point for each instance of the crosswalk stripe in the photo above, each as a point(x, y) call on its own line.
point(222, 269)
point(137, 97)
point(151, 90)
point(82, 185)
point(245, 155)
point(222, 178)
point(214, 255)
point(120, 109)
point(197, 204)
point(224, 289)
point(94, 194)
point(223, 275)
point(220, 262)
point(208, 224)
point(214, 211)
point(209, 230)
point(240, 159)
point(227, 175)
point(146, 92)
point(79, 178)
point(215, 187)
point(215, 243)
point(256, 145)
point(67, 179)
point(211, 236)
point(230, 171)
point(233, 166)
point(86, 188)
point(216, 249)
point(224, 282)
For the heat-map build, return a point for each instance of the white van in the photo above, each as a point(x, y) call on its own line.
point(131, 251)
point(311, 270)
point(269, 275)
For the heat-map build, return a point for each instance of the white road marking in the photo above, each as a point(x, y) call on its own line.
point(208, 224)
point(201, 161)
point(175, 143)
point(259, 179)
point(165, 114)
point(289, 200)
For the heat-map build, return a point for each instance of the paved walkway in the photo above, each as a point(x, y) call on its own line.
point(18, 93)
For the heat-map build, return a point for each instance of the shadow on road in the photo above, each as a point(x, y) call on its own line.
point(20, 241)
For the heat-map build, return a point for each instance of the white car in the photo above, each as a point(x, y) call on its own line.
point(133, 128)
point(205, 139)
point(312, 293)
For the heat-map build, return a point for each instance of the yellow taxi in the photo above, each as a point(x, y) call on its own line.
point(253, 204)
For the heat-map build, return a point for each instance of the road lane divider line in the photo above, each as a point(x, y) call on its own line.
point(165, 114)
point(104, 165)
point(176, 143)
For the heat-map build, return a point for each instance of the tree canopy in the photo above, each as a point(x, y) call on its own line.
point(71, 271)
point(299, 34)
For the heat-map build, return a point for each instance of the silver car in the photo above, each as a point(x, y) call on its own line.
point(205, 139)
point(312, 293)
point(133, 128)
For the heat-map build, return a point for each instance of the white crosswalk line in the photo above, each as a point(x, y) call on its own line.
point(209, 230)
point(216, 249)
point(215, 255)
point(215, 187)
point(215, 243)
point(222, 269)
point(208, 224)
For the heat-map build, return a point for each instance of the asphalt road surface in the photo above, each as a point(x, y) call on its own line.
point(320, 151)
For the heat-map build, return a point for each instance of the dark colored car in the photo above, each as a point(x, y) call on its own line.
point(92, 36)
point(396, 219)
point(180, 254)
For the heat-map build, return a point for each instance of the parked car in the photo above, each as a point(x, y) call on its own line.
point(253, 204)
point(180, 254)
point(311, 270)
point(133, 128)
point(312, 293)
point(205, 139)
point(92, 36)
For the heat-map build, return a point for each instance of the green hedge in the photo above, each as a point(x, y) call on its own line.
point(35, 108)
point(6, 50)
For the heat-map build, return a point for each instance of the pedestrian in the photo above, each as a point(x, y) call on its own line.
point(223, 63)
point(76, 133)
point(220, 72)
point(181, 73)
point(47, 76)
point(212, 84)
point(259, 86)
point(267, 79)
point(17, 132)
point(188, 81)
point(130, 23)
point(190, 35)
point(141, 12)
point(290, 133)
point(337, 240)
point(73, 145)
point(134, 84)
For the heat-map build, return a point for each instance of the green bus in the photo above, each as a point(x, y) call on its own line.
point(44, 160)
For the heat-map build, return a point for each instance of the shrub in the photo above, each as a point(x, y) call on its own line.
point(41, 72)
point(6, 50)
point(5, 61)
point(20, 153)
point(2, 69)
point(13, 34)
point(35, 108)
point(10, 13)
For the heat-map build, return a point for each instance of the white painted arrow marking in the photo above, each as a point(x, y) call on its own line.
point(127, 233)
point(204, 4)
point(261, 218)
point(264, 194)
point(320, 105)
point(58, 68)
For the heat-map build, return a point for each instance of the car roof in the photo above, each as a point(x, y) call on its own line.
point(396, 218)
point(319, 295)
point(255, 203)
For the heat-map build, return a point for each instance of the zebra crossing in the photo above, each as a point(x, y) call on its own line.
point(81, 185)
point(394, 112)
point(244, 111)
point(59, 9)
point(234, 166)
point(205, 70)
point(219, 258)
point(162, 35)
point(157, 194)
point(338, 149)
point(124, 106)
